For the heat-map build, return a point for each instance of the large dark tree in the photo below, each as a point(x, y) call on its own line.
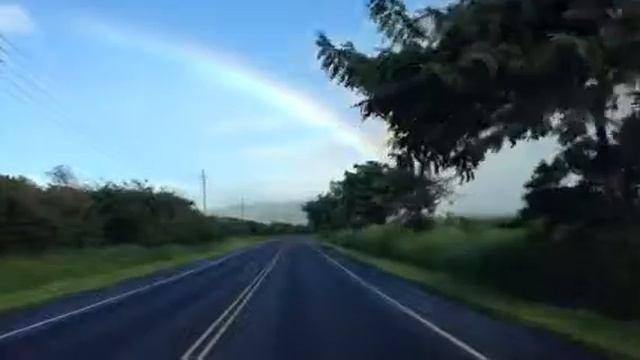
point(455, 83)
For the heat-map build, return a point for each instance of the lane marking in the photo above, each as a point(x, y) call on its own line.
point(188, 354)
point(116, 298)
point(231, 319)
point(459, 343)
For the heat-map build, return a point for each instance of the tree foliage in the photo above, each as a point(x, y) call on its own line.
point(62, 175)
point(373, 193)
point(455, 83)
point(67, 214)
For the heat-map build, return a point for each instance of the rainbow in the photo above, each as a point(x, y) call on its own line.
point(224, 67)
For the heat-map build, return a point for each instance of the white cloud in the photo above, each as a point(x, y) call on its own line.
point(15, 19)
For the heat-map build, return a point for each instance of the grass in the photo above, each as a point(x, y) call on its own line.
point(453, 248)
point(27, 280)
point(612, 338)
point(597, 270)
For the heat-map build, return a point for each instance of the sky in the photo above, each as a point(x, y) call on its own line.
point(161, 90)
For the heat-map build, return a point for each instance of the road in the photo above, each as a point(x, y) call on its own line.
point(287, 299)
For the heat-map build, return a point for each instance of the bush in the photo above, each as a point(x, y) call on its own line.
point(593, 268)
point(33, 218)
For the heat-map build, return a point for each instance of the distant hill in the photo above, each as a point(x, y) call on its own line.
point(266, 212)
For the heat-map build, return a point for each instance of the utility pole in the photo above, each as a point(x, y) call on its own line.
point(203, 178)
point(242, 208)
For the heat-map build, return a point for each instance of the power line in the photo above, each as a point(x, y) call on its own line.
point(31, 89)
point(19, 74)
point(17, 91)
point(22, 82)
point(10, 45)
point(20, 88)
point(23, 75)
point(16, 95)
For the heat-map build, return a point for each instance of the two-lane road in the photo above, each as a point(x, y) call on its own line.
point(283, 300)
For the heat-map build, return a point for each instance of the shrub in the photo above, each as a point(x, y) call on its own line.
point(593, 268)
point(33, 218)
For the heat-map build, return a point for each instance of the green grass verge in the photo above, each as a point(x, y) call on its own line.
point(27, 280)
point(612, 338)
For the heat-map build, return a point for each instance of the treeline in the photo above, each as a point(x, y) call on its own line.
point(375, 193)
point(456, 83)
point(67, 214)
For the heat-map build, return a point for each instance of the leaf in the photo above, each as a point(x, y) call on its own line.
point(393, 20)
point(483, 54)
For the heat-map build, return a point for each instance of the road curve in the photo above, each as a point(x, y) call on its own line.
point(283, 300)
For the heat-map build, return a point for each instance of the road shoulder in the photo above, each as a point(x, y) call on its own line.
point(11, 301)
point(611, 338)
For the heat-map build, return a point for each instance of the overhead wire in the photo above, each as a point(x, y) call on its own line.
point(22, 83)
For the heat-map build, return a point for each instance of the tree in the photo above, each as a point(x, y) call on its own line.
point(573, 188)
point(62, 175)
point(455, 83)
point(373, 193)
point(414, 196)
point(24, 222)
point(323, 214)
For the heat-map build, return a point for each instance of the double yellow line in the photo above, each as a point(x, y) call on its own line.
point(215, 331)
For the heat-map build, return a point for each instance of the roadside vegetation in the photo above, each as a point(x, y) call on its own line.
point(67, 237)
point(506, 270)
point(593, 274)
point(30, 279)
point(456, 83)
point(613, 338)
point(66, 214)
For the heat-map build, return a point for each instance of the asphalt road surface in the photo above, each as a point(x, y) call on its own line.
point(285, 300)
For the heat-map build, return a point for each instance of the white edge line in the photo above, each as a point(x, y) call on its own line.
point(188, 354)
point(119, 297)
point(230, 320)
point(476, 354)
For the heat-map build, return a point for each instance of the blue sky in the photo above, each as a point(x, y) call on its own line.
point(161, 89)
